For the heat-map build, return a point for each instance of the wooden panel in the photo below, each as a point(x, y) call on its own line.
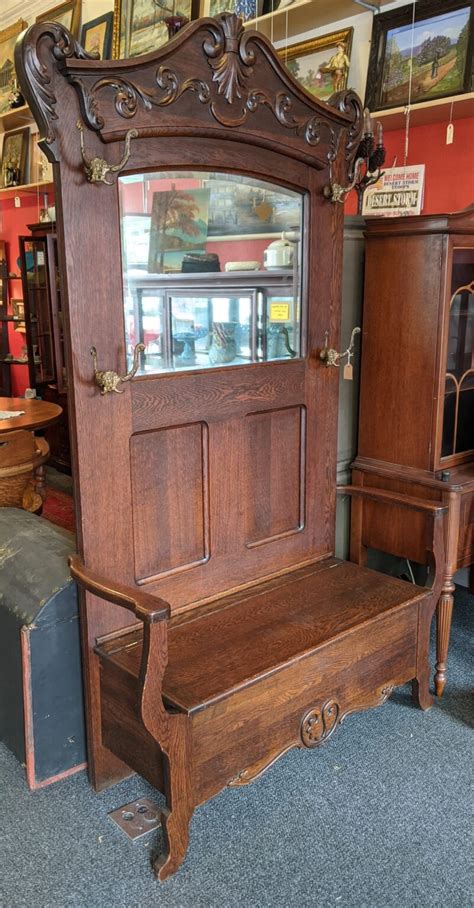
point(398, 531)
point(232, 735)
point(225, 394)
point(275, 474)
point(170, 495)
point(466, 530)
point(399, 348)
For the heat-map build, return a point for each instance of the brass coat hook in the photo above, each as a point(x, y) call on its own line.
point(108, 380)
point(331, 357)
point(96, 169)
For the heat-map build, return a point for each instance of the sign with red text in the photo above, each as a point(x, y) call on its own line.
point(398, 192)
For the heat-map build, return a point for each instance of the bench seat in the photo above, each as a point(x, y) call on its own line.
point(219, 649)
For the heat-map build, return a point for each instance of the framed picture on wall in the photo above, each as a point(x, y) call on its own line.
point(247, 9)
point(422, 59)
point(18, 309)
point(67, 14)
point(8, 38)
point(140, 25)
point(321, 65)
point(14, 167)
point(96, 35)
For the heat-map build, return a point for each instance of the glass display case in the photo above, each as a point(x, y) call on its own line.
point(45, 331)
point(43, 311)
point(212, 270)
point(458, 418)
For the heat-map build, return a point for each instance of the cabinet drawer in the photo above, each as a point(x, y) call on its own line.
point(350, 672)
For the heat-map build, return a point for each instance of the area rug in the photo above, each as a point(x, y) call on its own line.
point(58, 508)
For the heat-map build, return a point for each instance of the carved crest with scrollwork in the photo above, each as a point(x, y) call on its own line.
point(236, 79)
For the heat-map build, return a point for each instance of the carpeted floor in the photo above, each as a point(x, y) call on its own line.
point(58, 508)
point(379, 817)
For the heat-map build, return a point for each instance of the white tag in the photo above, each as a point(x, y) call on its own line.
point(450, 134)
point(348, 370)
point(17, 201)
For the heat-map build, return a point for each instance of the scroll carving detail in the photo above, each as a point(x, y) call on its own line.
point(34, 75)
point(231, 98)
point(319, 724)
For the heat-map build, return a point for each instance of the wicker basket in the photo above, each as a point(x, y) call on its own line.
point(20, 454)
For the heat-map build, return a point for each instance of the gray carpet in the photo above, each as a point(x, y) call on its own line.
point(381, 816)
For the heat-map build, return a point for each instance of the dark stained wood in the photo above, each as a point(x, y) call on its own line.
point(170, 481)
point(404, 350)
point(263, 627)
point(218, 629)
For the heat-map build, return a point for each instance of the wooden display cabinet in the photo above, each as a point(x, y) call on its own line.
point(45, 331)
point(416, 425)
point(5, 318)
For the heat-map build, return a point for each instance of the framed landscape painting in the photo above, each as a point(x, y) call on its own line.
point(429, 58)
point(140, 25)
point(320, 65)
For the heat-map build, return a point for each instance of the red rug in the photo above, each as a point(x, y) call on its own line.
point(58, 508)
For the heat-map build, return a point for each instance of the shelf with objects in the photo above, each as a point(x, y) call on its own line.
point(5, 377)
point(44, 330)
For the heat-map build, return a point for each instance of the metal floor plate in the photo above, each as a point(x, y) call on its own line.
point(137, 818)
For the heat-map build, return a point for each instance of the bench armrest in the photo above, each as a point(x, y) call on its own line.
point(148, 608)
point(395, 498)
point(434, 534)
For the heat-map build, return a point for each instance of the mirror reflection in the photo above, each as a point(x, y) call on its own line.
point(211, 269)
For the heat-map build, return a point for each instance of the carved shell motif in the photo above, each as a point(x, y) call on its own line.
point(229, 58)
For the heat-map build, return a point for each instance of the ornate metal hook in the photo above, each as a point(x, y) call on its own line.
point(331, 357)
point(337, 193)
point(96, 169)
point(108, 380)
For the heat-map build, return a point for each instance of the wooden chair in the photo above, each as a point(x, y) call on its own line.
point(219, 630)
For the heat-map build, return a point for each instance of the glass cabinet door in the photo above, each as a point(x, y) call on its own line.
point(211, 270)
point(458, 422)
point(38, 310)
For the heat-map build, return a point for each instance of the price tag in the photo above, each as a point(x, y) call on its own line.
point(450, 134)
point(348, 372)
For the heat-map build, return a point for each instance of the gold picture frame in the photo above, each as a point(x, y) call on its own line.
point(18, 310)
point(131, 41)
point(314, 63)
point(15, 158)
point(8, 37)
point(67, 14)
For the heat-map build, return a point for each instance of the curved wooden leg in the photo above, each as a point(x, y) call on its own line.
point(420, 685)
point(443, 629)
point(177, 816)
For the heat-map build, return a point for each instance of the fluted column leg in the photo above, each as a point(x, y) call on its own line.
point(443, 629)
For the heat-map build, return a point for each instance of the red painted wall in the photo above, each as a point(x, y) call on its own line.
point(14, 223)
point(449, 186)
point(449, 169)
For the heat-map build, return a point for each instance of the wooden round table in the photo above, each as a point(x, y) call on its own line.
point(22, 455)
point(37, 414)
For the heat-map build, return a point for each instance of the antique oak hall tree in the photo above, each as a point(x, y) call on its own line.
point(218, 629)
